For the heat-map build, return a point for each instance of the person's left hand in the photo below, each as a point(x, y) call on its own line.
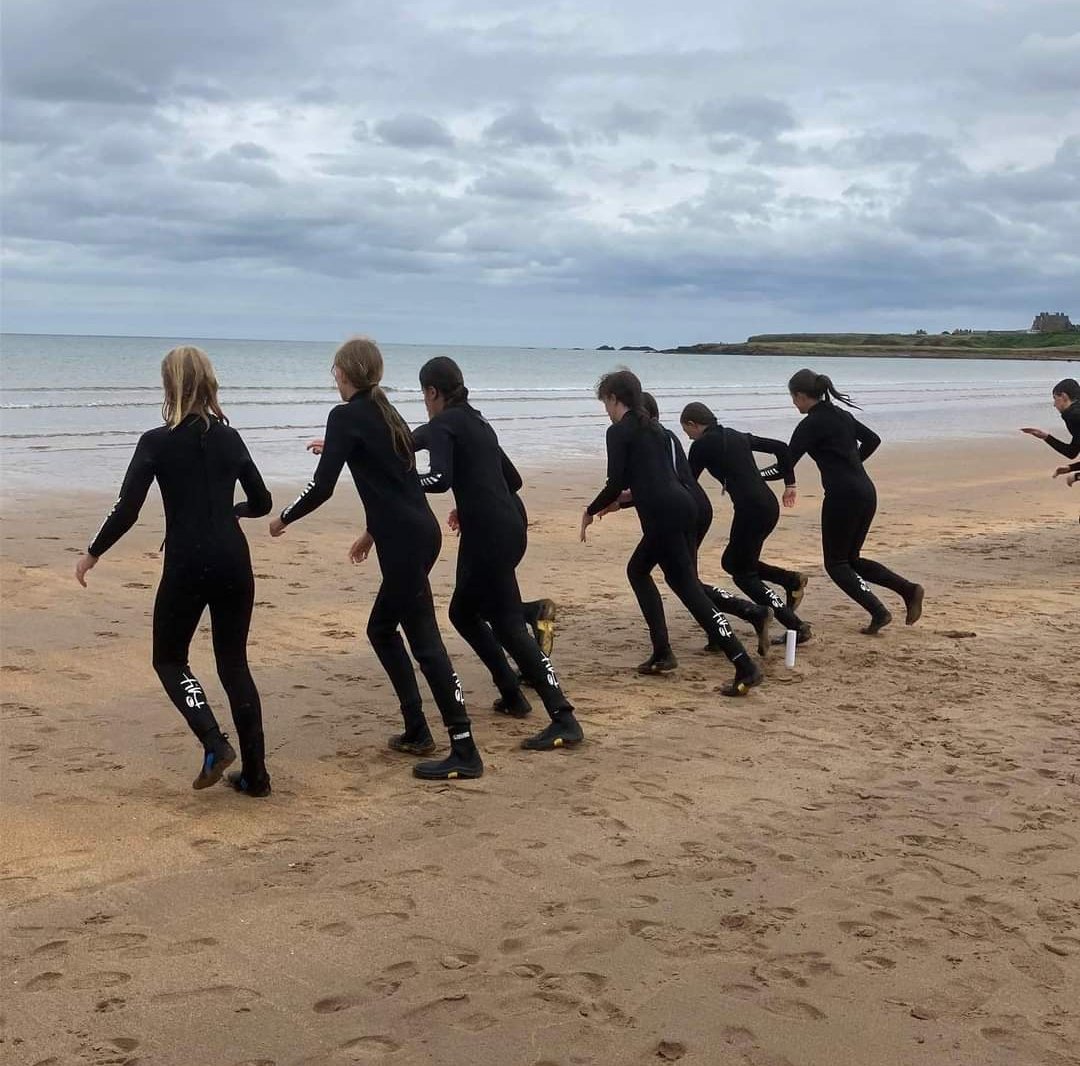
point(85, 564)
point(1040, 433)
point(316, 446)
point(277, 527)
point(452, 521)
point(789, 496)
point(1061, 471)
point(361, 548)
point(1072, 479)
point(586, 521)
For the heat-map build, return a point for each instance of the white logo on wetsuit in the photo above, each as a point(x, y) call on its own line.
point(193, 693)
point(459, 693)
point(722, 624)
point(549, 670)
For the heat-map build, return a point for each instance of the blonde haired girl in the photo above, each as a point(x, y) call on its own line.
point(197, 459)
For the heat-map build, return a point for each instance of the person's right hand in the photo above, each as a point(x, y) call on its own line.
point(1061, 471)
point(1072, 479)
point(86, 563)
point(586, 521)
point(789, 496)
point(452, 521)
point(316, 446)
point(1040, 433)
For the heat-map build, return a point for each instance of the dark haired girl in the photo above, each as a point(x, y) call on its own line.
point(639, 459)
point(486, 607)
point(729, 456)
point(840, 444)
point(369, 435)
point(642, 562)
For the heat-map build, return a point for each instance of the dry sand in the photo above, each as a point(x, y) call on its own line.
point(871, 860)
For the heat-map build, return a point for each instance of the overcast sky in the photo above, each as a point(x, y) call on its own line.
point(464, 171)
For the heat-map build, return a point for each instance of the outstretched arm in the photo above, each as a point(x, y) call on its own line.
point(125, 512)
point(618, 471)
point(320, 488)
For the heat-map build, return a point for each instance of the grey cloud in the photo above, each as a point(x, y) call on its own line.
point(250, 150)
point(523, 126)
point(804, 168)
point(414, 131)
point(232, 168)
point(516, 184)
point(761, 118)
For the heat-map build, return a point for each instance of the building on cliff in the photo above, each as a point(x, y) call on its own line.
point(1047, 322)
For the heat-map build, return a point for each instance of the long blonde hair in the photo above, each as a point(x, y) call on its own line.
point(191, 386)
point(360, 360)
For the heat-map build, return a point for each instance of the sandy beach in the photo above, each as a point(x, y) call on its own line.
point(874, 860)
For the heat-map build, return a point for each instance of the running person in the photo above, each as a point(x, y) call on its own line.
point(197, 460)
point(367, 433)
point(643, 561)
point(486, 607)
point(729, 456)
point(639, 459)
point(1066, 397)
point(840, 444)
point(540, 614)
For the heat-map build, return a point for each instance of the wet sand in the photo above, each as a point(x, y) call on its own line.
point(873, 859)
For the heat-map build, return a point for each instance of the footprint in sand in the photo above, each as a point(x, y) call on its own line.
point(371, 1046)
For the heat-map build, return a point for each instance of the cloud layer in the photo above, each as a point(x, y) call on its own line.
point(516, 173)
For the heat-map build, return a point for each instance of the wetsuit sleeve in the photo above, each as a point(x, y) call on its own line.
point(783, 467)
point(259, 501)
point(438, 440)
point(1071, 449)
point(696, 459)
point(801, 440)
point(867, 438)
point(125, 512)
point(618, 470)
point(510, 474)
point(336, 447)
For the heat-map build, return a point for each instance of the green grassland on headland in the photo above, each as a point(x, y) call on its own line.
point(1003, 345)
point(1002, 339)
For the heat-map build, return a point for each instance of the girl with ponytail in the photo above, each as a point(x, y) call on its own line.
point(367, 433)
point(639, 459)
point(486, 608)
point(840, 444)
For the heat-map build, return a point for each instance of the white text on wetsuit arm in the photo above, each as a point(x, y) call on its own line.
point(125, 512)
point(439, 442)
point(336, 448)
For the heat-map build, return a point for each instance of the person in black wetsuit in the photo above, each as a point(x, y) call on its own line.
point(639, 459)
point(197, 459)
point(643, 561)
point(1066, 397)
point(486, 607)
point(840, 444)
point(729, 456)
point(369, 435)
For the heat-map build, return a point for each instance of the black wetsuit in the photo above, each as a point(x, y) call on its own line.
point(206, 564)
point(486, 607)
point(839, 444)
point(729, 456)
point(639, 459)
point(1071, 417)
point(407, 542)
point(643, 560)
